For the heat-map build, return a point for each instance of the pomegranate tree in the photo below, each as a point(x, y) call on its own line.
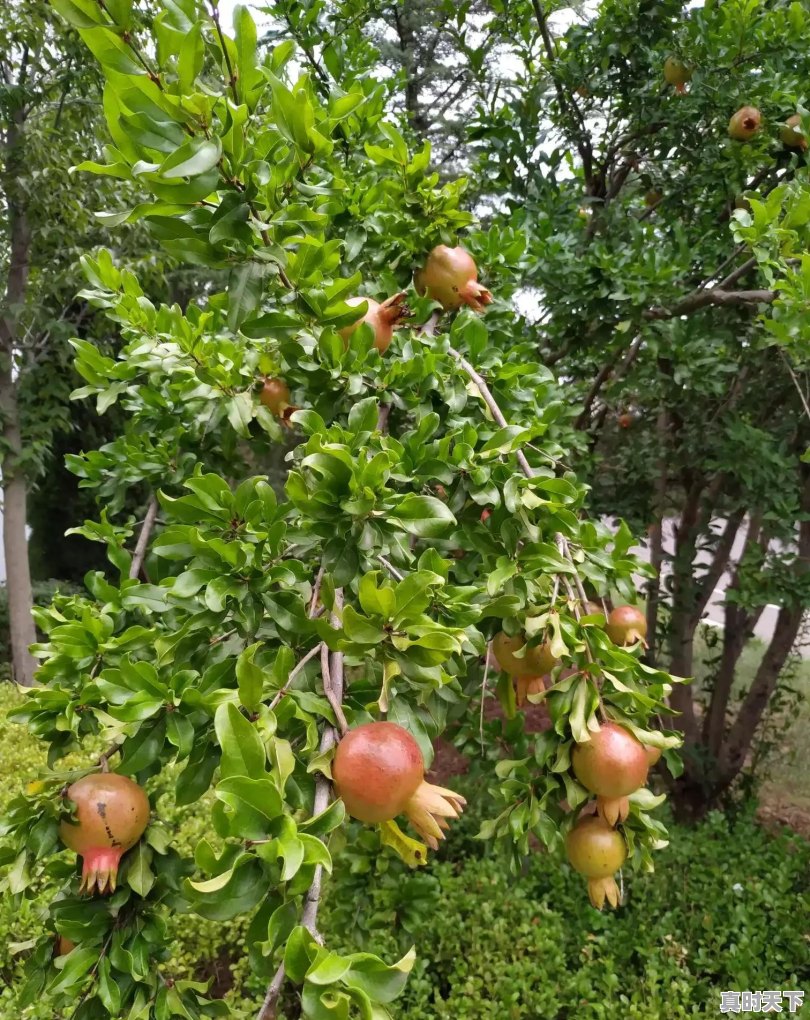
point(383, 317)
point(612, 764)
point(597, 851)
point(246, 628)
point(112, 813)
point(379, 773)
point(450, 276)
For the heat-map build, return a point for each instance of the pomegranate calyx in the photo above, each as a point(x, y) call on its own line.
point(100, 869)
point(613, 809)
point(394, 310)
point(429, 807)
point(601, 889)
point(475, 295)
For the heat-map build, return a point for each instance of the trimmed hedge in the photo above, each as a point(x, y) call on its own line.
point(728, 908)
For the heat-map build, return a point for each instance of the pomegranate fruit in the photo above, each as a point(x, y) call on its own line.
point(626, 625)
point(597, 852)
point(63, 946)
point(791, 133)
point(485, 515)
point(745, 123)
point(112, 813)
point(525, 685)
point(536, 660)
point(275, 396)
point(612, 764)
point(625, 420)
point(677, 73)
point(379, 773)
point(382, 317)
point(450, 276)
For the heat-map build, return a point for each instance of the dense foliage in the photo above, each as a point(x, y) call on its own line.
point(522, 945)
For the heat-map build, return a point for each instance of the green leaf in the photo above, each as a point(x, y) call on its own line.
point(193, 158)
point(423, 516)
point(250, 678)
point(242, 750)
point(139, 875)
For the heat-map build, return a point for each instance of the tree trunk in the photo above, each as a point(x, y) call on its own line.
point(15, 543)
point(656, 536)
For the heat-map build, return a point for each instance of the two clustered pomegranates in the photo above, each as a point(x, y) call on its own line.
point(449, 276)
point(612, 764)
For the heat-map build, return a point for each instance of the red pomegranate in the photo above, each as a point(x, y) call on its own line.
point(536, 660)
point(485, 515)
point(612, 764)
point(450, 276)
point(112, 813)
point(625, 420)
point(597, 852)
point(383, 318)
point(525, 685)
point(745, 123)
point(275, 396)
point(379, 773)
point(63, 946)
point(626, 625)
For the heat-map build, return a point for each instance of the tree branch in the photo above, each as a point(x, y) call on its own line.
point(491, 403)
point(143, 538)
point(333, 680)
point(703, 298)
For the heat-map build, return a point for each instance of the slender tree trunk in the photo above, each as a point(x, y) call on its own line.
point(15, 542)
point(736, 631)
point(656, 536)
point(788, 623)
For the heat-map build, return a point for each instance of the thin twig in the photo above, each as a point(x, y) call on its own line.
point(483, 699)
point(323, 789)
point(143, 539)
point(392, 570)
point(224, 48)
point(316, 592)
point(491, 403)
point(329, 691)
point(795, 382)
point(294, 673)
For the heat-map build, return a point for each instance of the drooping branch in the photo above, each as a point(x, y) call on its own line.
point(491, 403)
point(143, 539)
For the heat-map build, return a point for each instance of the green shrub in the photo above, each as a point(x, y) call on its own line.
point(728, 907)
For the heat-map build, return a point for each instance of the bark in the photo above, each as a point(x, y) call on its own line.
point(703, 298)
point(407, 45)
point(683, 625)
point(656, 534)
point(15, 486)
point(737, 629)
point(738, 743)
